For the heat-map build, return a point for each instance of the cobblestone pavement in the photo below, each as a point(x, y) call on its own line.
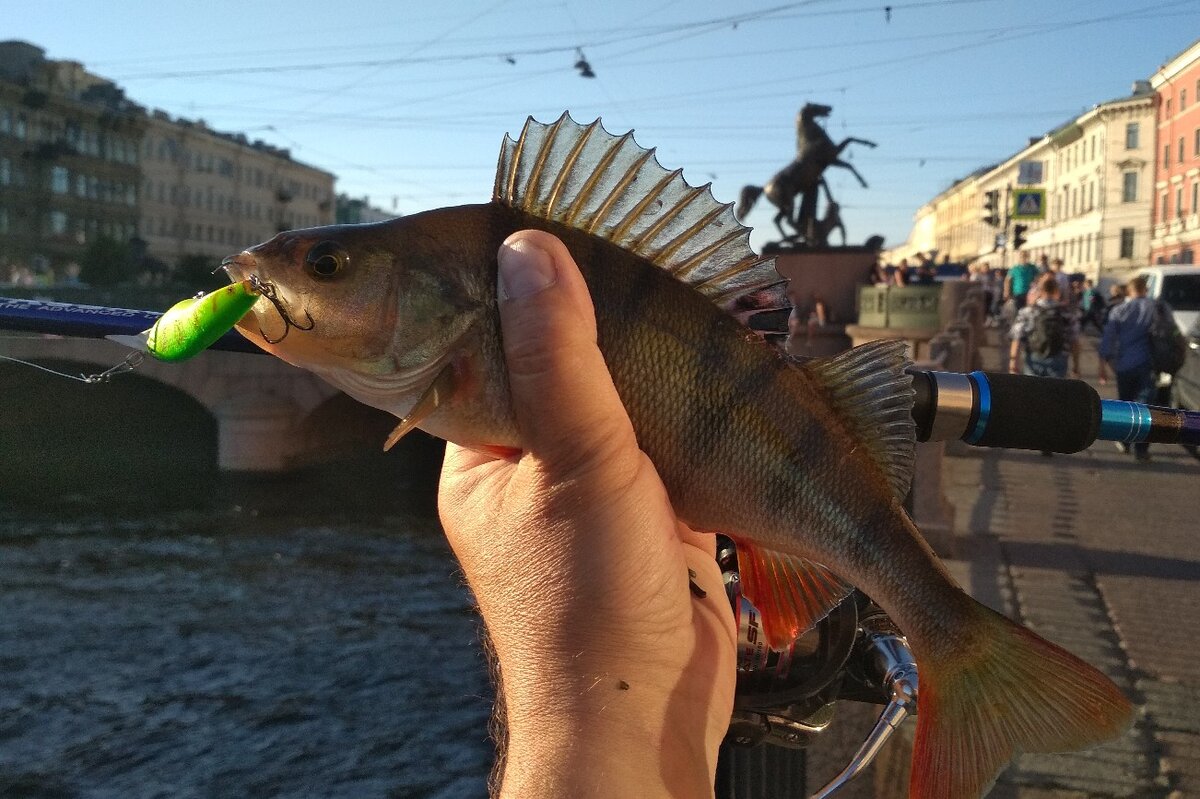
point(1100, 554)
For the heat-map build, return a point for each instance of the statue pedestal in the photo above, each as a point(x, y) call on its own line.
point(831, 275)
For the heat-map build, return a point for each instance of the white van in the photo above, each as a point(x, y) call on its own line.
point(1179, 286)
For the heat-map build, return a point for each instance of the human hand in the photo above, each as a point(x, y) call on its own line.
point(616, 679)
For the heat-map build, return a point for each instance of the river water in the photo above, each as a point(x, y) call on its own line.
point(238, 650)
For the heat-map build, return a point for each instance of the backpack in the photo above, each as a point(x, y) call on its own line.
point(1168, 348)
point(1048, 337)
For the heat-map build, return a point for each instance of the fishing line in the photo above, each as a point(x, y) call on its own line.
point(131, 362)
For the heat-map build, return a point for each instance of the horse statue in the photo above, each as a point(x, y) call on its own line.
point(815, 152)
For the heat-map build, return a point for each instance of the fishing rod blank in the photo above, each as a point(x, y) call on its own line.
point(987, 409)
point(92, 321)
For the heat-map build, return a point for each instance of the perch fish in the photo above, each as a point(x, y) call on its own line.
point(803, 465)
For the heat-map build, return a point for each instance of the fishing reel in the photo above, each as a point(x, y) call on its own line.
point(788, 698)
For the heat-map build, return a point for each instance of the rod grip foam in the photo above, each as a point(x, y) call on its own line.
point(1043, 413)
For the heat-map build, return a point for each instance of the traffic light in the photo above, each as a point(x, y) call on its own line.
point(1019, 236)
point(991, 207)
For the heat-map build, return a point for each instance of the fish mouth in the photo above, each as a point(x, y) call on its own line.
point(242, 267)
point(237, 267)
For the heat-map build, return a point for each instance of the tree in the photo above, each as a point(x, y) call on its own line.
point(106, 262)
point(195, 272)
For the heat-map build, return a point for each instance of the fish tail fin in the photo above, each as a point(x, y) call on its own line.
point(1004, 691)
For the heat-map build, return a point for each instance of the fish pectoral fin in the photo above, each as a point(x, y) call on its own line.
point(438, 392)
point(791, 593)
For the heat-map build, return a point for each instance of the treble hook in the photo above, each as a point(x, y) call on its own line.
point(267, 289)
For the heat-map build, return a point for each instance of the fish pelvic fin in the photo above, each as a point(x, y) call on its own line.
point(587, 178)
point(791, 593)
point(435, 394)
point(1012, 692)
point(869, 387)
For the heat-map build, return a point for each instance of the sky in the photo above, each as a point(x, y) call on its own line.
point(407, 103)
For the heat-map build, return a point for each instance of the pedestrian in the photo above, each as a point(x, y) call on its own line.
point(1125, 346)
point(1116, 296)
point(901, 277)
point(1018, 280)
point(1091, 305)
point(1049, 334)
point(1064, 281)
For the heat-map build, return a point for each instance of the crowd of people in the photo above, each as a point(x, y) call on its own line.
point(1045, 312)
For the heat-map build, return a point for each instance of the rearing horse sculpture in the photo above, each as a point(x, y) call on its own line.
point(815, 152)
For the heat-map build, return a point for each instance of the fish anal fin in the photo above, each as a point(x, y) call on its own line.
point(869, 387)
point(434, 395)
point(791, 593)
point(1014, 693)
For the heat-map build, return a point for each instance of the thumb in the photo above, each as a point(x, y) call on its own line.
point(567, 408)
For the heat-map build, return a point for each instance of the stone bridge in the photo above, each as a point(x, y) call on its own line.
point(266, 411)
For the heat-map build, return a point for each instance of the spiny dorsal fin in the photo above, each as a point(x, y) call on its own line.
point(869, 386)
point(585, 177)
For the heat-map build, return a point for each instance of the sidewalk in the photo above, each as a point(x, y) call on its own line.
point(1099, 554)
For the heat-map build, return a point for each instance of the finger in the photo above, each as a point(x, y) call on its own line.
point(567, 409)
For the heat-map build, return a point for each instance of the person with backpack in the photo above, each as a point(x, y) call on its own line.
point(1126, 346)
point(1048, 332)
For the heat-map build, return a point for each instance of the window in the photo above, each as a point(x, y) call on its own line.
point(1129, 187)
point(1196, 145)
point(1182, 99)
point(1131, 136)
point(1164, 210)
point(1180, 149)
point(1168, 111)
point(1179, 202)
point(1126, 242)
point(60, 180)
point(1166, 155)
point(1196, 197)
point(58, 222)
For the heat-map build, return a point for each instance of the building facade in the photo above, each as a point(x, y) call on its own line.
point(1097, 175)
point(357, 211)
point(207, 193)
point(69, 145)
point(1176, 231)
point(1098, 171)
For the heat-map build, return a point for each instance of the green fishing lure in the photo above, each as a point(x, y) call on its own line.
point(193, 325)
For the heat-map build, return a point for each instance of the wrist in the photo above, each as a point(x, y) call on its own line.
point(610, 741)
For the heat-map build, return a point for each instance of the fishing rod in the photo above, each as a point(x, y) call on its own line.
point(986, 409)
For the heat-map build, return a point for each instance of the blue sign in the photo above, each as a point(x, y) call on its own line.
point(1029, 204)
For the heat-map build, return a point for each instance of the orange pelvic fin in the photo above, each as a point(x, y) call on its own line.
point(791, 593)
point(1006, 691)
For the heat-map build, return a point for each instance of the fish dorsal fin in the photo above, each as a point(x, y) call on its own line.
point(869, 386)
point(790, 592)
point(587, 178)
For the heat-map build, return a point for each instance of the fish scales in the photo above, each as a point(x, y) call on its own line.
point(803, 465)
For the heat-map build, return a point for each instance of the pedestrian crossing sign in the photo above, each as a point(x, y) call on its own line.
point(1029, 204)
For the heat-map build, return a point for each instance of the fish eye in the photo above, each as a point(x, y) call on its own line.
point(326, 259)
